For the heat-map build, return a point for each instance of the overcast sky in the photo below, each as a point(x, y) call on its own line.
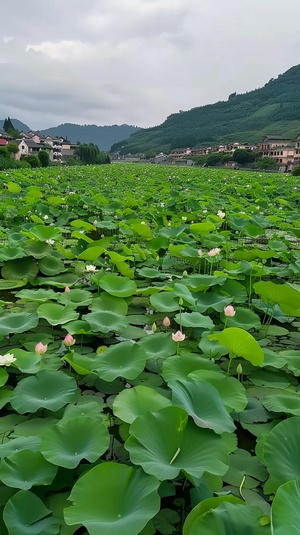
point(137, 61)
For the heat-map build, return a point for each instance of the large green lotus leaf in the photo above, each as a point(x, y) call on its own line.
point(285, 509)
point(142, 230)
point(39, 296)
point(236, 290)
point(164, 301)
point(75, 298)
point(86, 406)
point(286, 403)
point(201, 283)
point(91, 253)
point(272, 310)
point(27, 361)
point(33, 428)
point(25, 514)
point(201, 229)
point(57, 503)
point(167, 441)
point(13, 445)
point(56, 314)
point(5, 396)
point(11, 252)
point(58, 281)
point(281, 294)
point(26, 468)
point(71, 440)
point(282, 450)
point(205, 506)
point(16, 270)
point(111, 303)
point(117, 286)
point(212, 300)
point(180, 366)
point(158, 345)
point(194, 320)
point(242, 463)
point(37, 249)
point(79, 223)
point(182, 291)
point(133, 402)
point(129, 499)
point(212, 348)
point(232, 392)
point(48, 389)
point(203, 403)
point(151, 273)
point(51, 265)
point(292, 360)
point(105, 321)
point(78, 327)
point(3, 376)
point(82, 364)
point(121, 360)
point(230, 519)
point(240, 343)
point(6, 284)
point(244, 318)
point(18, 322)
point(43, 233)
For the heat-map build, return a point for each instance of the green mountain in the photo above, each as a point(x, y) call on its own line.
point(103, 136)
point(18, 125)
point(272, 109)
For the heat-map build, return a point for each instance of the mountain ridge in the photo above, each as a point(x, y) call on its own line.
point(271, 109)
point(102, 136)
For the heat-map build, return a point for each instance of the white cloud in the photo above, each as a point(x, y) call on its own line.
point(140, 60)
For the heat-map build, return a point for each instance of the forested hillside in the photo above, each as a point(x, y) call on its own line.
point(274, 108)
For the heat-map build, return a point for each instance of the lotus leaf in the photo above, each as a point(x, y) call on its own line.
point(129, 499)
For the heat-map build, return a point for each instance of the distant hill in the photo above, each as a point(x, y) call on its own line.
point(272, 109)
point(103, 136)
point(17, 124)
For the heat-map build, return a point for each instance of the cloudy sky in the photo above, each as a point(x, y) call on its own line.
point(137, 61)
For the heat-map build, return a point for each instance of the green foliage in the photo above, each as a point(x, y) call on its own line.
point(90, 154)
point(32, 160)
point(116, 418)
point(296, 171)
point(44, 158)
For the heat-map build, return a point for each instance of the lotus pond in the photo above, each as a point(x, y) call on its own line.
point(149, 367)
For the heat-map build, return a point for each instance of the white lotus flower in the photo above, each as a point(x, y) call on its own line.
point(7, 359)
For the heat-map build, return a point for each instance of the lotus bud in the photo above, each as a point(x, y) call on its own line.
point(239, 369)
point(154, 327)
point(69, 340)
point(229, 311)
point(180, 301)
point(185, 273)
point(166, 322)
point(67, 288)
point(40, 348)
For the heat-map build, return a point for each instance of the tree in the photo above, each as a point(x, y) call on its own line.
point(213, 159)
point(32, 160)
point(9, 128)
point(7, 125)
point(3, 152)
point(12, 149)
point(44, 158)
point(243, 156)
point(90, 154)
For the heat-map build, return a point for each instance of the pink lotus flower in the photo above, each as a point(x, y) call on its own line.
point(40, 348)
point(229, 311)
point(69, 340)
point(178, 336)
point(166, 322)
point(214, 252)
point(200, 252)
